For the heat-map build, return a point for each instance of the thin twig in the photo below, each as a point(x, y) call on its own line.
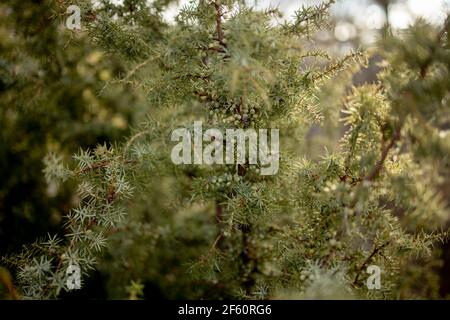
point(131, 141)
point(136, 68)
point(385, 151)
point(374, 252)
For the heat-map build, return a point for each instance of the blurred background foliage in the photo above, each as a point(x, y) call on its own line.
point(58, 93)
point(52, 98)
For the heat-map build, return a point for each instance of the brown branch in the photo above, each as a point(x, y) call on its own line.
point(249, 267)
point(98, 165)
point(136, 69)
point(132, 139)
point(384, 153)
point(374, 252)
point(95, 166)
point(397, 134)
point(218, 238)
point(219, 213)
point(444, 29)
point(219, 28)
point(348, 178)
point(215, 49)
point(6, 281)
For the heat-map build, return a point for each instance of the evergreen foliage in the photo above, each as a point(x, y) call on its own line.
point(224, 231)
